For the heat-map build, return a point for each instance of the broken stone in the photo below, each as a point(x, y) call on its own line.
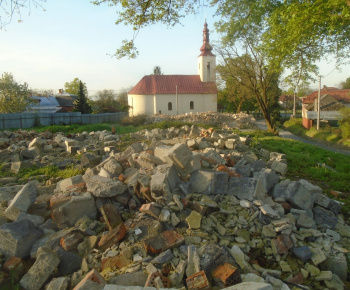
point(22, 201)
point(43, 267)
point(17, 238)
point(104, 187)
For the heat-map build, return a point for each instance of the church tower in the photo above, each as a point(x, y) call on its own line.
point(206, 61)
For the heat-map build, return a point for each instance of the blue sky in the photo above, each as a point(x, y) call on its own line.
point(73, 39)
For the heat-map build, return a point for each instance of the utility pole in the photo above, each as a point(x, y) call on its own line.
point(318, 103)
point(294, 104)
point(177, 103)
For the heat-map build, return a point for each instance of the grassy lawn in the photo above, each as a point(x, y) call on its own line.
point(327, 134)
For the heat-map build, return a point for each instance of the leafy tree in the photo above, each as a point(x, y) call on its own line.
point(108, 101)
point(81, 104)
point(295, 34)
point(157, 70)
point(73, 87)
point(345, 123)
point(345, 84)
point(234, 97)
point(14, 97)
point(42, 93)
point(248, 66)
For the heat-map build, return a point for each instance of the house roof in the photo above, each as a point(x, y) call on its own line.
point(166, 84)
point(328, 103)
point(65, 100)
point(341, 95)
point(44, 104)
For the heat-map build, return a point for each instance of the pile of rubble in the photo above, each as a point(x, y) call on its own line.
point(180, 208)
point(224, 120)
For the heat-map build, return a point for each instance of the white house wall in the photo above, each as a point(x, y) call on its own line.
point(151, 104)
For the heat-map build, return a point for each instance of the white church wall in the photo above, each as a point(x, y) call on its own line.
point(141, 104)
point(149, 104)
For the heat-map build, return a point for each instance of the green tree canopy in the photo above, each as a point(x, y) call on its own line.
point(14, 97)
point(157, 70)
point(73, 87)
point(81, 104)
point(345, 84)
point(109, 101)
point(295, 34)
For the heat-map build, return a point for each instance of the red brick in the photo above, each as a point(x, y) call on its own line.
point(122, 177)
point(185, 202)
point(163, 241)
point(198, 281)
point(226, 275)
point(202, 209)
point(297, 279)
point(113, 237)
point(111, 216)
point(151, 280)
point(14, 266)
point(71, 240)
point(92, 276)
point(283, 243)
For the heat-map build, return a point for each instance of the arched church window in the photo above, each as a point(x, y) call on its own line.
point(191, 105)
point(170, 106)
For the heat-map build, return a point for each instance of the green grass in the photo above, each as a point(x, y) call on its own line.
point(326, 133)
point(48, 171)
point(74, 128)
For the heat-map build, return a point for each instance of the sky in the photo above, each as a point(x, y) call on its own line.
point(75, 39)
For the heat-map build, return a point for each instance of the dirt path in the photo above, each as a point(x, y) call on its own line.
point(285, 134)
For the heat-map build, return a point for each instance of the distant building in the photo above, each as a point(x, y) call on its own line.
point(331, 101)
point(287, 102)
point(61, 103)
point(178, 94)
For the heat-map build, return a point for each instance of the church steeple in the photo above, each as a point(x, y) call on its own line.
point(206, 48)
point(206, 60)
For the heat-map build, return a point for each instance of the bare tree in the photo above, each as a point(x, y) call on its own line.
point(9, 8)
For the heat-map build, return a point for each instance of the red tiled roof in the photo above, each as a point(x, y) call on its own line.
point(342, 96)
point(166, 84)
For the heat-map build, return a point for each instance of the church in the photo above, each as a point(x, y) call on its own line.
point(178, 94)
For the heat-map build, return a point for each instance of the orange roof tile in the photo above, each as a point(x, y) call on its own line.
point(166, 84)
point(340, 95)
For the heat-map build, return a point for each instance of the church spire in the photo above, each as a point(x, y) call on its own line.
point(206, 48)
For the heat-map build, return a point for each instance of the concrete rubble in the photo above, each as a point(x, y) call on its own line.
point(183, 208)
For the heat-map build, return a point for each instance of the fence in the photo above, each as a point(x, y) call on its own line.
point(28, 120)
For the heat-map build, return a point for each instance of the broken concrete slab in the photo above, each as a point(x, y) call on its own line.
point(22, 201)
point(43, 267)
point(17, 238)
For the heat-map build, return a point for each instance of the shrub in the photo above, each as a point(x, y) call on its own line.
point(345, 123)
point(138, 120)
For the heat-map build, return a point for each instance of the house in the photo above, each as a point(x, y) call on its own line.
point(61, 103)
point(287, 102)
point(47, 104)
point(65, 101)
point(178, 94)
point(331, 101)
